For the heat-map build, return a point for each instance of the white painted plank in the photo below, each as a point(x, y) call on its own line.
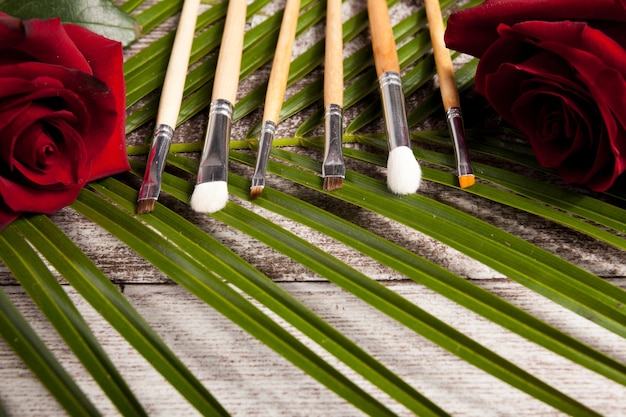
point(251, 380)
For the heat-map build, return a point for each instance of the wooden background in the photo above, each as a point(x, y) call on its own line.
point(251, 380)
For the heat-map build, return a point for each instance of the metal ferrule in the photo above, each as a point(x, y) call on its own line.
point(395, 113)
point(161, 141)
point(214, 162)
point(265, 145)
point(333, 130)
point(457, 131)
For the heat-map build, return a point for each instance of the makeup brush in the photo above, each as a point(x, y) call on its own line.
point(275, 93)
point(333, 168)
point(169, 107)
point(449, 93)
point(403, 171)
point(211, 192)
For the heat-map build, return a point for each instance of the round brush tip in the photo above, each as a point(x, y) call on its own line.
point(209, 197)
point(403, 171)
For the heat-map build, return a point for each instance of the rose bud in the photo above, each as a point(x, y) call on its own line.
point(556, 70)
point(62, 114)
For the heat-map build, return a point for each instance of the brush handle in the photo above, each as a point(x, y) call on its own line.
point(333, 57)
point(443, 61)
point(383, 42)
point(176, 74)
point(229, 59)
point(282, 59)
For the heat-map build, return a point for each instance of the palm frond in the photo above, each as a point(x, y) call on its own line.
point(44, 259)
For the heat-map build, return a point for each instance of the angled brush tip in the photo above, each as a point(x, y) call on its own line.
point(466, 181)
point(255, 192)
point(209, 197)
point(145, 206)
point(332, 183)
point(403, 171)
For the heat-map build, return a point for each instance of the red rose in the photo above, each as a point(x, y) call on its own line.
point(62, 114)
point(556, 70)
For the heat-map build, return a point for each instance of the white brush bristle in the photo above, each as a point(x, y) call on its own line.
point(209, 197)
point(403, 172)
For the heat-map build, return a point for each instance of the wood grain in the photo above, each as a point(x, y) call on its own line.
point(333, 57)
point(383, 42)
point(174, 84)
point(443, 61)
point(231, 48)
point(251, 380)
point(282, 59)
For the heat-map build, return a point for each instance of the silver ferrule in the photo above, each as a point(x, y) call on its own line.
point(457, 132)
point(265, 146)
point(396, 123)
point(214, 162)
point(161, 141)
point(333, 132)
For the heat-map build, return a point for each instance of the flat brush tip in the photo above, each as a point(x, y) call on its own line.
point(403, 171)
point(209, 197)
point(255, 192)
point(145, 206)
point(332, 183)
point(466, 181)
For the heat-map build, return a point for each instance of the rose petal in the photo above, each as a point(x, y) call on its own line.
point(46, 200)
point(44, 91)
point(513, 49)
point(107, 63)
point(46, 152)
point(6, 217)
point(82, 94)
point(603, 72)
point(49, 161)
point(62, 113)
point(45, 41)
point(474, 29)
point(8, 141)
point(561, 128)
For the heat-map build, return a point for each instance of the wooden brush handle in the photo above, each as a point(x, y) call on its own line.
point(280, 65)
point(229, 60)
point(333, 58)
point(383, 42)
point(176, 74)
point(443, 61)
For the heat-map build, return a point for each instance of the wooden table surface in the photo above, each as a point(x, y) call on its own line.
point(249, 379)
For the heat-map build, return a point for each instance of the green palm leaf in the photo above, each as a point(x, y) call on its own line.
point(33, 351)
point(86, 278)
point(37, 252)
point(418, 269)
point(43, 287)
point(213, 256)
